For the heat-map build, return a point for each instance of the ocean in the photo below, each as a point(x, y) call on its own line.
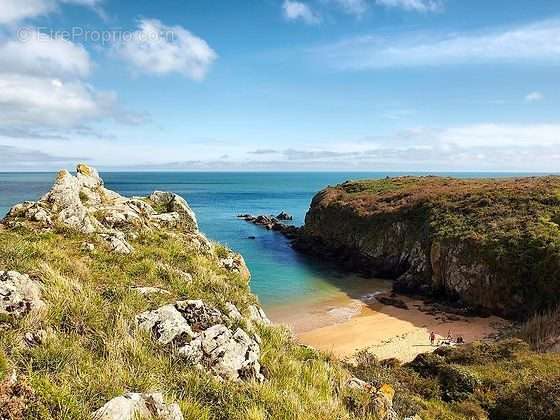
point(280, 276)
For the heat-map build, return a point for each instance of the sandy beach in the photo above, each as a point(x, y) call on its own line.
point(344, 324)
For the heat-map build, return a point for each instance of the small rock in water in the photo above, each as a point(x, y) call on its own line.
point(284, 216)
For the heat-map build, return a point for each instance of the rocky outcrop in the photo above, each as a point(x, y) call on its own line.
point(132, 406)
point(203, 336)
point(487, 245)
point(273, 223)
point(256, 314)
point(284, 216)
point(82, 203)
point(19, 294)
point(381, 399)
point(235, 262)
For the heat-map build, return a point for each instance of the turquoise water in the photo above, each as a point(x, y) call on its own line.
point(279, 275)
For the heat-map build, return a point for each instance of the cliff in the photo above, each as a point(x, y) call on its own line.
point(490, 244)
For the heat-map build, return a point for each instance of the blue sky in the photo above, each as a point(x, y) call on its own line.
point(429, 85)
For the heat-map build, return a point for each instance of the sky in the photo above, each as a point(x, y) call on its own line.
point(377, 85)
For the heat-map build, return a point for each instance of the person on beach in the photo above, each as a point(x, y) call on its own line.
point(432, 338)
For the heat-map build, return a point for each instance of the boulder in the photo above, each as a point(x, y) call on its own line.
point(167, 325)
point(391, 301)
point(256, 314)
point(355, 383)
point(19, 294)
point(199, 315)
point(87, 247)
point(132, 406)
point(235, 263)
point(383, 403)
point(231, 355)
point(201, 336)
point(117, 243)
point(174, 203)
point(147, 290)
point(232, 311)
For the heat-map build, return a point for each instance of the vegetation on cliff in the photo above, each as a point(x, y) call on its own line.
point(492, 243)
point(500, 381)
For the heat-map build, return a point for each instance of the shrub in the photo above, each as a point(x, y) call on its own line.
point(538, 400)
point(457, 383)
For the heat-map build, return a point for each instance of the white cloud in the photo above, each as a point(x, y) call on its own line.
point(538, 42)
point(12, 11)
point(43, 88)
point(413, 5)
point(534, 97)
point(295, 10)
point(353, 7)
point(41, 101)
point(42, 55)
point(159, 49)
point(87, 3)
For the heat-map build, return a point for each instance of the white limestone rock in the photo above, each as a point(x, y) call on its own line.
point(256, 314)
point(232, 311)
point(118, 243)
point(132, 406)
point(174, 203)
point(166, 324)
point(200, 335)
point(19, 294)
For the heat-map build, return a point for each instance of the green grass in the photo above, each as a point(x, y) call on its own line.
point(94, 352)
point(541, 330)
point(503, 380)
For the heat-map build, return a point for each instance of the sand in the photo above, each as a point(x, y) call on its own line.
point(342, 325)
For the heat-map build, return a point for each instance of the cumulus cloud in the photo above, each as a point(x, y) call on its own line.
point(359, 7)
point(537, 42)
point(413, 5)
point(44, 91)
point(45, 56)
point(159, 49)
point(295, 10)
point(31, 100)
point(534, 97)
point(13, 11)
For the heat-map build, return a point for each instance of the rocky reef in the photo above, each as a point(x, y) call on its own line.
point(492, 245)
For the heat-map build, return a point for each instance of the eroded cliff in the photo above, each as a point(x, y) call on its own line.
point(490, 244)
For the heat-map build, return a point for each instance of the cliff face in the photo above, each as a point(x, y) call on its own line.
point(490, 244)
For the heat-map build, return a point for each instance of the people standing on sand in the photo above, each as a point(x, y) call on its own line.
point(449, 337)
point(432, 338)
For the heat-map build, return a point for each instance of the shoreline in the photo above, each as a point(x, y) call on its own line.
point(342, 325)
